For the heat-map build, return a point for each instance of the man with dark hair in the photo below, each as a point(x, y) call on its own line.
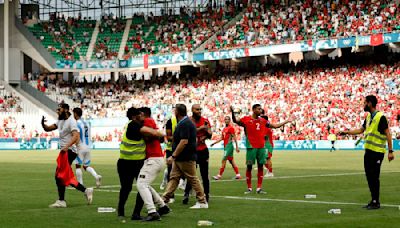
point(150, 170)
point(84, 145)
point(183, 158)
point(69, 136)
point(255, 129)
point(228, 136)
point(203, 129)
point(132, 155)
point(376, 132)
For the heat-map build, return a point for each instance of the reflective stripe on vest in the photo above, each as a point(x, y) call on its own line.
point(374, 140)
point(131, 149)
point(174, 123)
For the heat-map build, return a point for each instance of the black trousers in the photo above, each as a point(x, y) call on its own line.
point(128, 170)
point(372, 166)
point(202, 162)
point(59, 183)
point(169, 167)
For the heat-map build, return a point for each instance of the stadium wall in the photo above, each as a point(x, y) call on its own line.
point(281, 145)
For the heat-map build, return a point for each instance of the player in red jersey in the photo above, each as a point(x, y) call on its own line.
point(228, 136)
point(255, 128)
point(269, 144)
point(203, 128)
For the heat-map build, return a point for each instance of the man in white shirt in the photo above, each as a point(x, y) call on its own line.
point(69, 136)
point(83, 158)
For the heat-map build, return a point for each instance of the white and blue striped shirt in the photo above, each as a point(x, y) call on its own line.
point(84, 134)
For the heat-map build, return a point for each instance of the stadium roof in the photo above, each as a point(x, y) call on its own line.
point(119, 8)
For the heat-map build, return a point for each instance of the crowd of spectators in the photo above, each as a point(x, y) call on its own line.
point(67, 35)
point(111, 30)
point(318, 96)
point(265, 24)
point(177, 33)
point(9, 102)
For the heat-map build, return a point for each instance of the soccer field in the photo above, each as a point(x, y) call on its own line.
point(27, 188)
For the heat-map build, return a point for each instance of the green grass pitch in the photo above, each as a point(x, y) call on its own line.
point(27, 187)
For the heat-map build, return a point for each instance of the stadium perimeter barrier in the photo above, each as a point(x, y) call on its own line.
point(53, 143)
point(147, 61)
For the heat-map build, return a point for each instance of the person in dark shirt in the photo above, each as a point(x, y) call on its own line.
point(183, 158)
point(130, 162)
point(377, 132)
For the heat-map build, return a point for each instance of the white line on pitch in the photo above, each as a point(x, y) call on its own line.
point(274, 200)
point(275, 178)
point(308, 176)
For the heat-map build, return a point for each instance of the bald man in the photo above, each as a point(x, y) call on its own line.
point(203, 128)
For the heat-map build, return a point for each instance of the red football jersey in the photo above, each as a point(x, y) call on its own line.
point(268, 133)
point(153, 146)
point(201, 143)
point(227, 134)
point(255, 131)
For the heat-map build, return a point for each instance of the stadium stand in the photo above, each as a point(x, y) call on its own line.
point(16, 117)
point(264, 24)
point(319, 96)
point(65, 38)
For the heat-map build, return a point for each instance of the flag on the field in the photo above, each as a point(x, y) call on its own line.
point(64, 170)
point(376, 39)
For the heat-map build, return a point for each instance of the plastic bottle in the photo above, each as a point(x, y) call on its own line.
point(105, 210)
point(335, 211)
point(310, 196)
point(204, 223)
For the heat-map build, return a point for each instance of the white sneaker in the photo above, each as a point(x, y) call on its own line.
point(89, 195)
point(162, 185)
point(172, 200)
point(268, 175)
point(218, 177)
point(98, 181)
point(58, 204)
point(182, 184)
point(200, 206)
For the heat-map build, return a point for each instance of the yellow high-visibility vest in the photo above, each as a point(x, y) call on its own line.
point(374, 140)
point(131, 149)
point(174, 123)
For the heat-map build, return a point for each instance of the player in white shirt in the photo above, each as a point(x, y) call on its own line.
point(84, 146)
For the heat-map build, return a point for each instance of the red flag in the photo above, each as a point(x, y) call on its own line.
point(246, 52)
point(64, 170)
point(376, 39)
point(146, 61)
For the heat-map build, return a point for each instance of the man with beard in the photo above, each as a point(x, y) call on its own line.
point(203, 129)
point(376, 133)
point(69, 136)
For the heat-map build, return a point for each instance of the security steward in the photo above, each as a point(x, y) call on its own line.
point(132, 156)
point(376, 132)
